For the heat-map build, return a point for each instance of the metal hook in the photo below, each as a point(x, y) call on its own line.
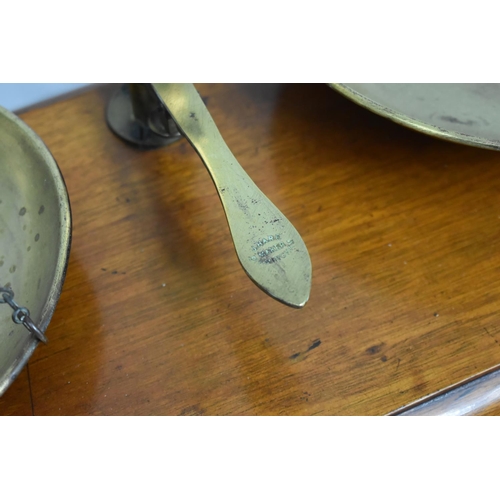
point(20, 315)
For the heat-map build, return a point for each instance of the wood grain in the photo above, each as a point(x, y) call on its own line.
point(157, 317)
point(17, 400)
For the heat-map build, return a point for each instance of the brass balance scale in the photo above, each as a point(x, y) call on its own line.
point(35, 218)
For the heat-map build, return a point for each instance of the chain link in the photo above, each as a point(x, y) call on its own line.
point(21, 315)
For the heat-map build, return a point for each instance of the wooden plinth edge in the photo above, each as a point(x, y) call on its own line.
point(477, 395)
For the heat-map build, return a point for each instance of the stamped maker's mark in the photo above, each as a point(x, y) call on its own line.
point(271, 249)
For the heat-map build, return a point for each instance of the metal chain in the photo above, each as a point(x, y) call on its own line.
point(21, 315)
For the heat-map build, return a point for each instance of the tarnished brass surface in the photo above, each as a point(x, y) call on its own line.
point(35, 228)
point(269, 248)
point(467, 113)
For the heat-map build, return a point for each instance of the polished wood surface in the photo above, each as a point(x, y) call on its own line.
point(158, 318)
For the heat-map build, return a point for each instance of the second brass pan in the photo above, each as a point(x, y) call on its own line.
point(467, 113)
